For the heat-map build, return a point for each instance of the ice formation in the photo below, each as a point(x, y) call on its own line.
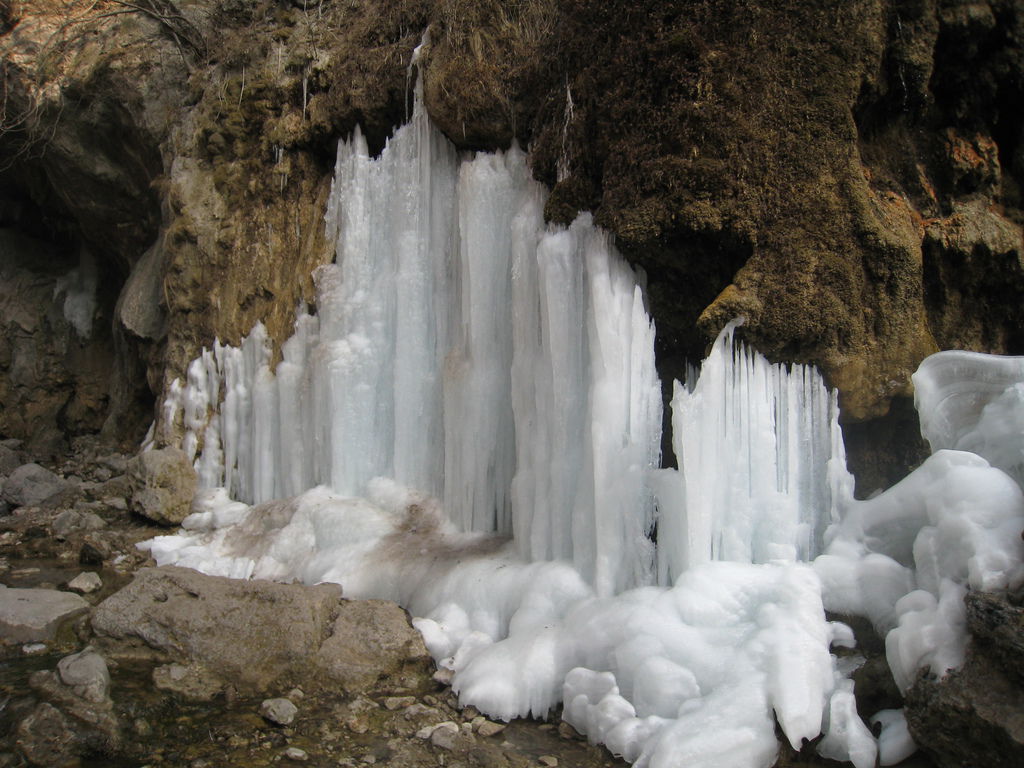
point(762, 463)
point(974, 402)
point(469, 424)
point(460, 347)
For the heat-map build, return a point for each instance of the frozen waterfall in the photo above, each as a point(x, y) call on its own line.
point(469, 423)
point(461, 348)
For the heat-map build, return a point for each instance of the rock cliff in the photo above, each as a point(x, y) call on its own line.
point(845, 175)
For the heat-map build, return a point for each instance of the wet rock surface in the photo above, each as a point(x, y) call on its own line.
point(36, 615)
point(975, 715)
point(163, 665)
point(162, 484)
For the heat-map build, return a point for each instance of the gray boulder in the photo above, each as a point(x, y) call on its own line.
point(86, 674)
point(75, 714)
point(31, 484)
point(36, 615)
point(10, 460)
point(260, 634)
point(162, 484)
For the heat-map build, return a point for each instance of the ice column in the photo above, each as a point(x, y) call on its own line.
point(762, 466)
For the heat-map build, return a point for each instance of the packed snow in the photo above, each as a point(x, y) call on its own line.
point(469, 424)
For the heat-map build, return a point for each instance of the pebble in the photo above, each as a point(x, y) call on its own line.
point(488, 728)
point(296, 754)
point(549, 760)
point(31, 649)
point(566, 731)
point(357, 724)
point(444, 676)
point(420, 710)
point(391, 703)
point(444, 735)
point(279, 711)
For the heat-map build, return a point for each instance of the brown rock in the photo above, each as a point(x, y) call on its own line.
point(162, 485)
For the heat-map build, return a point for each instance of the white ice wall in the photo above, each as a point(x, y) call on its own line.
point(461, 347)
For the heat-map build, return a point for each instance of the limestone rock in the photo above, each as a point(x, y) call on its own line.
point(280, 634)
point(445, 735)
point(70, 520)
point(489, 728)
point(162, 485)
point(371, 639)
point(86, 674)
point(278, 711)
point(975, 715)
point(192, 682)
point(9, 460)
point(273, 627)
point(45, 737)
point(31, 484)
point(36, 615)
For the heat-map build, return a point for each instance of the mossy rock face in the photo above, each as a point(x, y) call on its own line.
point(845, 175)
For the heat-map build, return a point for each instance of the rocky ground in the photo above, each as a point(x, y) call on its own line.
point(107, 660)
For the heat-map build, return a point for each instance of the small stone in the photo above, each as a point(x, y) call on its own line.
point(444, 676)
point(488, 728)
point(444, 735)
point(546, 727)
point(296, 754)
point(33, 649)
point(278, 711)
point(470, 712)
point(566, 731)
point(93, 552)
point(420, 710)
point(430, 701)
point(296, 694)
point(357, 724)
point(86, 674)
point(549, 760)
point(368, 759)
point(424, 733)
point(85, 582)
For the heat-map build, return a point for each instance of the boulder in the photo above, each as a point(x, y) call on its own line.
point(31, 484)
point(9, 460)
point(75, 714)
point(36, 615)
point(86, 674)
point(162, 485)
point(260, 634)
point(975, 715)
point(371, 639)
